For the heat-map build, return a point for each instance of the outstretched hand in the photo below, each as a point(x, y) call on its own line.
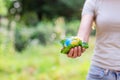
point(76, 52)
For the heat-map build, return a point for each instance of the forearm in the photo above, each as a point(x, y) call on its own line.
point(85, 28)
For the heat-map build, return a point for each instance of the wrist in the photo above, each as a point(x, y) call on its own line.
point(85, 45)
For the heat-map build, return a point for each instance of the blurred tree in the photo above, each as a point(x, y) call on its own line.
point(41, 9)
point(30, 12)
point(53, 8)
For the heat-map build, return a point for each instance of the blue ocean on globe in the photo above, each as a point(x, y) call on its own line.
point(68, 42)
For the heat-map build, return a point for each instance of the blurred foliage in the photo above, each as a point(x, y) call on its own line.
point(3, 10)
point(30, 18)
point(4, 7)
point(42, 8)
point(23, 16)
point(53, 8)
point(44, 33)
point(44, 63)
point(72, 28)
point(34, 28)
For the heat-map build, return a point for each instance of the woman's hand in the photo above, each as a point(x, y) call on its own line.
point(76, 52)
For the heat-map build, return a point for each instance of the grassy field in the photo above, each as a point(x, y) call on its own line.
point(44, 63)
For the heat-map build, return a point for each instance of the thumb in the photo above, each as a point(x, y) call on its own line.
point(83, 49)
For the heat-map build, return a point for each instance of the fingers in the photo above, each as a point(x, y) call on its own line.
point(76, 52)
point(70, 52)
point(79, 51)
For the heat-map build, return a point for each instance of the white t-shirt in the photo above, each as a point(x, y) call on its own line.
point(107, 19)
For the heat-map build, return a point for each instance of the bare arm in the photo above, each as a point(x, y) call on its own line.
point(83, 33)
point(85, 27)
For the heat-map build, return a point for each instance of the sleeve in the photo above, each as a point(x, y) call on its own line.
point(89, 7)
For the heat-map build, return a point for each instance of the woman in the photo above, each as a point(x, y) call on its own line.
point(105, 64)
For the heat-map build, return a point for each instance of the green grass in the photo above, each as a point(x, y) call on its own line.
point(44, 63)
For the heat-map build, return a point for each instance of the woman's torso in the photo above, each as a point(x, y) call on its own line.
point(107, 46)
